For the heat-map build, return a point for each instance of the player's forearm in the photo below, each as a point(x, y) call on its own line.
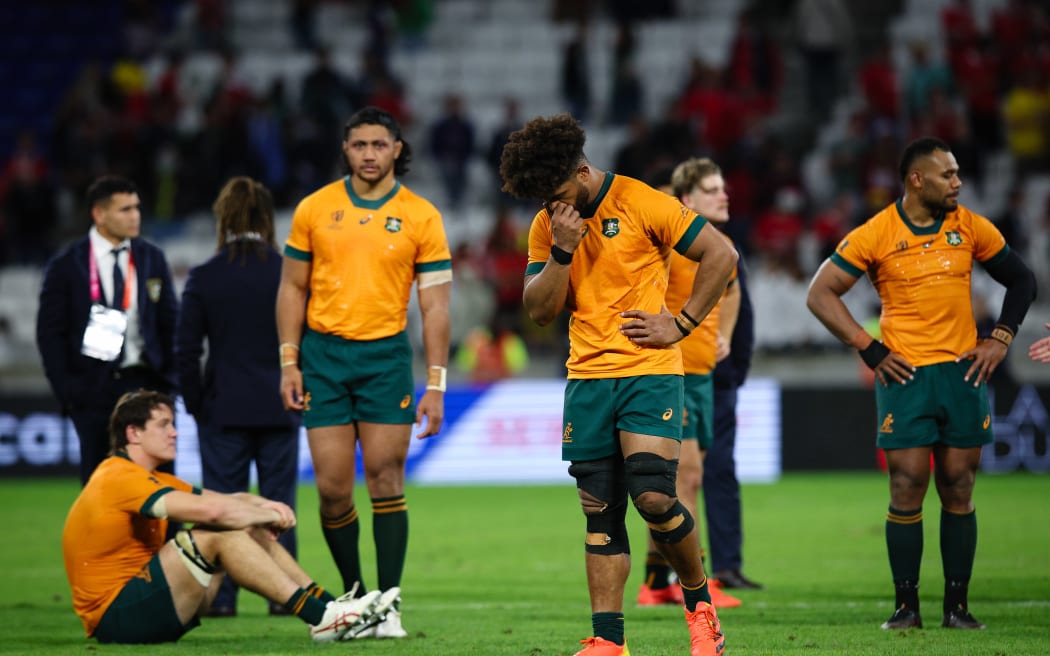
point(829, 309)
point(729, 311)
point(545, 292)
point(712, 276)
point(291, 313)
point(223, 511)
point(437, 330)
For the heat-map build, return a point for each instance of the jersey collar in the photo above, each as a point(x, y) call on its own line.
point(592, 207)
point(357, 201)
point(931, 229)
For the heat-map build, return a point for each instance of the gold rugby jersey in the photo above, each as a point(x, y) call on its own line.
point(619, 265)
point(922, 276)
point(365, 254)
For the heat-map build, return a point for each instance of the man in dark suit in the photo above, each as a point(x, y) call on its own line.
point(229, 301)
point(107, 316)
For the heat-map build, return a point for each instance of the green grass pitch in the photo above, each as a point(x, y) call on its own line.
point(498, 571)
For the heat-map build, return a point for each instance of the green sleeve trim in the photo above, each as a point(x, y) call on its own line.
point(534, 267)
point(998, 257)
point(846, 266)
point(297, 254)
point(147, 506)
point(690, 235)
point(197, 490)
point(427, 267)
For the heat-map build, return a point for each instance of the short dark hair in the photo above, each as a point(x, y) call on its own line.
point(919, 148)
point(541, 156)
point(134, 409)
point(375, 116)
point(103, 188)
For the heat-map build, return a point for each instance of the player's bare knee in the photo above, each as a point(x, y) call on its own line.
point(654, 503)
point(591, 504)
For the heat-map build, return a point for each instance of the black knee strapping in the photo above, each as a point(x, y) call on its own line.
point(606, 529)
point(607, 532)
point(648, 472)
point(670, 527)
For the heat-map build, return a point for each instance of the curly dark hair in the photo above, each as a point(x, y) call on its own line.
point(541, 156)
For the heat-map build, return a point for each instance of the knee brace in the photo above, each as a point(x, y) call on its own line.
point(648, 472)
point(199, 566)
point(606, 527)
point(670, 527)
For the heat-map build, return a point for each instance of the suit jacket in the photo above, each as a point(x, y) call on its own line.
point(732, 372)
point(232, 304)
point(65, 302)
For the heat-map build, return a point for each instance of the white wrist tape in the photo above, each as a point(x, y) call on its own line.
point(436, 378)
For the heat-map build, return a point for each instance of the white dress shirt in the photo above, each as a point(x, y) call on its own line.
point(103, 252)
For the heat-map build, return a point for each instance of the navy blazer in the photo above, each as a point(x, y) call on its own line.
point(65, 303)
point(233, 305)
point(732, 372)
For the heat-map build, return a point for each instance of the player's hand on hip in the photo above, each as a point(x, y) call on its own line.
point(566, 225)
point(645, 329)
point(894, 369)
point(292, 387)
point(986, 358)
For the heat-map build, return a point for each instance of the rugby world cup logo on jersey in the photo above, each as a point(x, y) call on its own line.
point(393, 224)
point(953, 237)
point(610, 227)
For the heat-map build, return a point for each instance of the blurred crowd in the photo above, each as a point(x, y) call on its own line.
point(985, 90)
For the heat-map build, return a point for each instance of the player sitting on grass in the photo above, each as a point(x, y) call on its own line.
point(129, 586)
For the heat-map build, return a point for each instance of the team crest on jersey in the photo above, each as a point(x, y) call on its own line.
point(953, 237)
point(610, 227)
point(337, 216)
point(393, 224)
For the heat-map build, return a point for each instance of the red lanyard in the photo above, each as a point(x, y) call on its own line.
point(96, 289)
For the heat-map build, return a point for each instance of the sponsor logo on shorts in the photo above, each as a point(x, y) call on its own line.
point(668, 413)
point(887, 424)
point(987, 422)
point(406, 401)
point(306, 402)
point(566, 435)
